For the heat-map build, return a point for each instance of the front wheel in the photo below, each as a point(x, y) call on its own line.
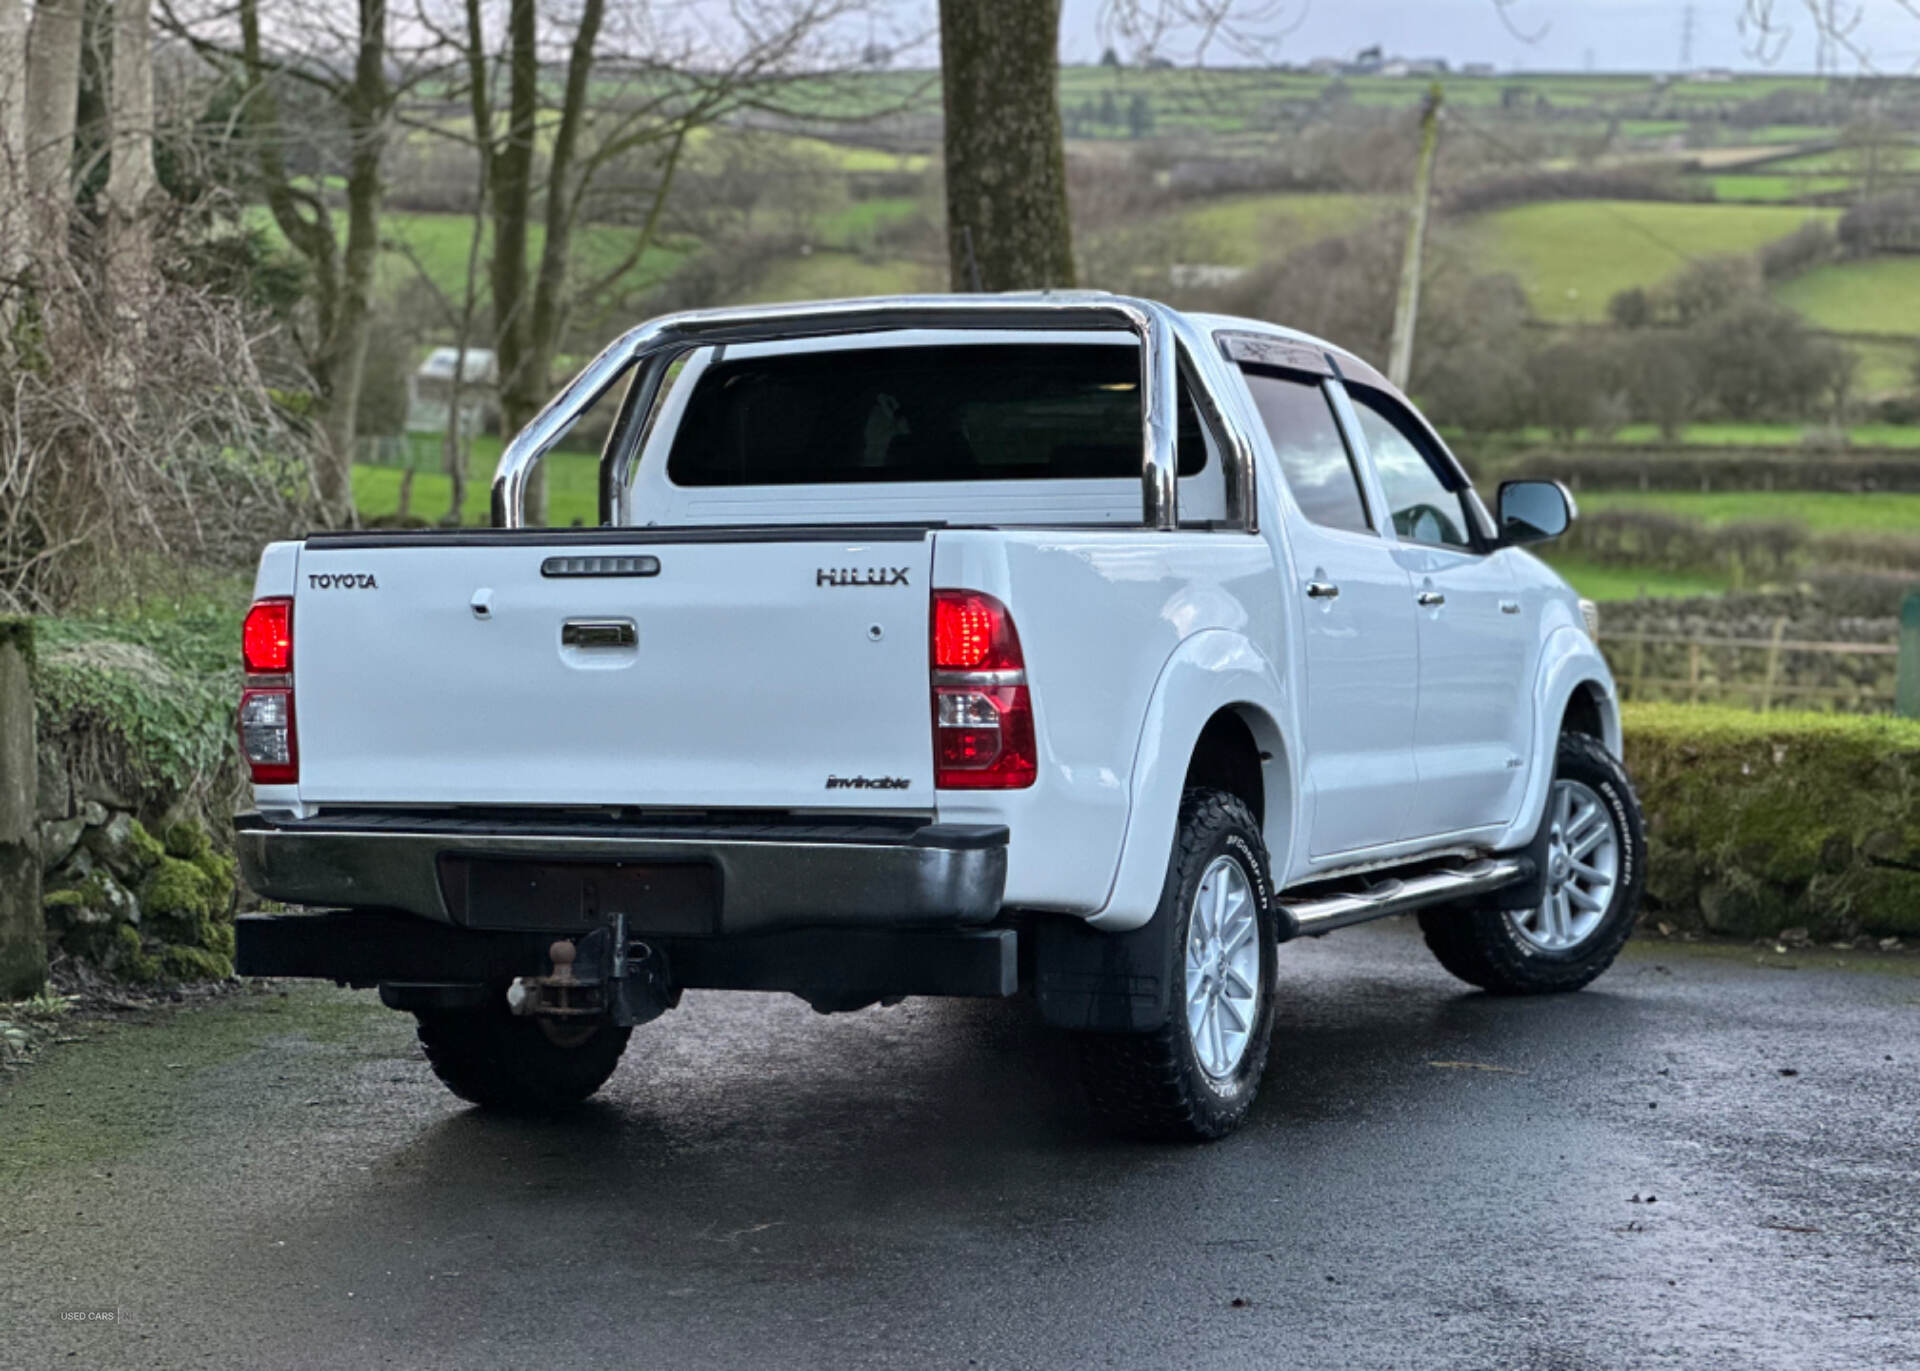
point(1196, 1076)
point(1594, 858)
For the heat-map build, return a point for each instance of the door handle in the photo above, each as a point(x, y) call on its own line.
point(599, 633)
point(1509, 606)
point(1322, 590)
point(1431, 599)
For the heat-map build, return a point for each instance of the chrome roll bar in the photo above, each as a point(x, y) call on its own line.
point(650, 350)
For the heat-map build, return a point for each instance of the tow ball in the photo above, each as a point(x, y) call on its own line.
point(601, 975)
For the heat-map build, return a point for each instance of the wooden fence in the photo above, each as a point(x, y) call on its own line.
point(1765, 672)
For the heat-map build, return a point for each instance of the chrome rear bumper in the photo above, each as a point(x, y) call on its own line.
point(671, 879)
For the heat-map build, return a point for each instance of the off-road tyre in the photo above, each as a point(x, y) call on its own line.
point(512, 1065)
point(1484, 948)
point(1152, 1085)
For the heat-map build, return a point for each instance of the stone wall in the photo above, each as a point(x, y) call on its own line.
point(126, 882)
point(23, 943)
point(144, 897)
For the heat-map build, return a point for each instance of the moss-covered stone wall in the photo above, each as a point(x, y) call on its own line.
point(1761, 822)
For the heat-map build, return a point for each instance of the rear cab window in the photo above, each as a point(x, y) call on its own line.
point(928, 413)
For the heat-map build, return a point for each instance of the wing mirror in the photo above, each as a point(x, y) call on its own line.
point(1534, 511)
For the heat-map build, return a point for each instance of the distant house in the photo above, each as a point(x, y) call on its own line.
point(1711, 76)
point(1411, 66)
point(1477, 69)
point(430, 391)
point(1203, 275)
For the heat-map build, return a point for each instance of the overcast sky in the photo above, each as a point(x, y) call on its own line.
point(1614, 35)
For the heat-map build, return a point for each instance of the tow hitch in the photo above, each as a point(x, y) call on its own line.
point(601, 975)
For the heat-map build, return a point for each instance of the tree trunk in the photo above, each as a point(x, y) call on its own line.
point(367, 102)
point(511, 184)
point(53, 96)
point(13, 160)
point(130, 173)
point(341, 278)
point(1007, 222)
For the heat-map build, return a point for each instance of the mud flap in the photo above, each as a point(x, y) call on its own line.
point(1091, 981)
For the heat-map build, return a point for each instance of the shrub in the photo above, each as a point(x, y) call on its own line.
point(1652, 467)
point(144, 705)
point(1631, 308)
point(1564, 387)
point(1708, 287)
point(132, 453)
point(1756, 358)
point(1887, 223)
point(1802, 250)
point(1759, 822)
point(1530, 187)
point(1662, 387)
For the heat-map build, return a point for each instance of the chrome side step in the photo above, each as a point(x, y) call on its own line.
point(1400, 895)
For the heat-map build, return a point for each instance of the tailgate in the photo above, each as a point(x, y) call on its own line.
point(765, 669)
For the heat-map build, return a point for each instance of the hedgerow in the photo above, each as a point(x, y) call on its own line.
point(1761, 822)
point(144, 703)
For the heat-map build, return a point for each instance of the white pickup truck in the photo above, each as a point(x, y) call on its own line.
point(1062, 645)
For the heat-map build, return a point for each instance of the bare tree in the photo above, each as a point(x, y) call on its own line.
point(651, 88)
point(131, 182)
point(53, 94)
point(13, 156)
point(1768, 27)
point(356, 74)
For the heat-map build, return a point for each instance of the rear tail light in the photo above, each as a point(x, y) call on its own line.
point(982, 714)
point(267, 738)
point(266, 640)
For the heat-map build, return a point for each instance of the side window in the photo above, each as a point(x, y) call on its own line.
point(1313, 454)
point(1421, 506)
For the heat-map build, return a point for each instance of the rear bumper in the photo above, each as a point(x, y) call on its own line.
point(676, 880)
point(836, 968)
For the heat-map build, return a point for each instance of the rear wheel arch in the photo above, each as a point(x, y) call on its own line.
point(1212, 673)
point(1241, 751)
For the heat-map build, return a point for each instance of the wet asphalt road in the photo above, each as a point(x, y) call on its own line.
point(1625, 1177)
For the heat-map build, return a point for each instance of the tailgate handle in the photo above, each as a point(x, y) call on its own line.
point(599, 633)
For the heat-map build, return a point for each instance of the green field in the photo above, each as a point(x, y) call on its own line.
point(572, 488)
point(438, 245)
point(1572, 256)
point(1244, 230)
point(1760, 188)
point(1632, 583)
point(845, 228)
point(837, 275)
point(1878, 295)
point(1854, 161)
point(1719, 434)
point(1821, 511)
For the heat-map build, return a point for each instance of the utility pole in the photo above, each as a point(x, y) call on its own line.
point(1406, 309)
point(1686, 40)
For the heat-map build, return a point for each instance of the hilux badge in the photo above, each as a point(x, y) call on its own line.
point(854, 576)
